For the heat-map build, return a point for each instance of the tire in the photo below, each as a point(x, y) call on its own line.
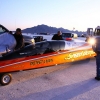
point(5, 79)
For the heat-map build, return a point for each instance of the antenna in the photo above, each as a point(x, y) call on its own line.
point(15, 24)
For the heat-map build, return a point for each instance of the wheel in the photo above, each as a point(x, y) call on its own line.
point(5, 79)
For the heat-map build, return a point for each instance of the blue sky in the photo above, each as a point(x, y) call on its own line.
point(80, 14)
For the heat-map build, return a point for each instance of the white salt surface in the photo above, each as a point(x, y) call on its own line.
point(71, 81)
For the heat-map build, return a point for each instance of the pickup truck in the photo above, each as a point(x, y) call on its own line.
point(27, 39)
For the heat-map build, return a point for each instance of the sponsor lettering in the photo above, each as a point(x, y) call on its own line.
point(41, 62)
point(79, 54)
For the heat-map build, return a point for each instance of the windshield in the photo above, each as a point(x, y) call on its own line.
point(2, 30)
point(66, 35)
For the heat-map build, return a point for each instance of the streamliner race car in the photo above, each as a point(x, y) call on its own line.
point(38, 55)
point(42, 54)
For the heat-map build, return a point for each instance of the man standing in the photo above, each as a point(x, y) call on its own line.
point(96, 49)
point(19, 39)
point(57, 36)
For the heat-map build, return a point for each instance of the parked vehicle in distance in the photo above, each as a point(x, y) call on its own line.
point(44, 33)
point(28, 40)
point(36, 37)
point(69, 36)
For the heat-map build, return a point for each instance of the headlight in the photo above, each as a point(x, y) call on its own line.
point(92, 41)
point(32, 40)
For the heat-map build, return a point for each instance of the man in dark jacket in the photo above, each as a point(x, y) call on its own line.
point(19, 39)
point(96, 49)
point(57, 36)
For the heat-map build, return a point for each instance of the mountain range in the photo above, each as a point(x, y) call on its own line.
point(48, 29)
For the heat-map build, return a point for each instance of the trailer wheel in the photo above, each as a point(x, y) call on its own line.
point(5, 79)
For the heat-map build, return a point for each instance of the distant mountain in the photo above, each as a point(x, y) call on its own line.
point(47, 29)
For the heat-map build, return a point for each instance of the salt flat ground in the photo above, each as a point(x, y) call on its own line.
point(69, 81)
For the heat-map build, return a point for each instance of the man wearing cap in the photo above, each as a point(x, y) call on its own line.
point(19, 39)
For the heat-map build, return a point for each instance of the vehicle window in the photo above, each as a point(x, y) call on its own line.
point(67, 35)
point(2, 30)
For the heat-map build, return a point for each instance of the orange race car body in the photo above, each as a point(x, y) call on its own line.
point(44, 54)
